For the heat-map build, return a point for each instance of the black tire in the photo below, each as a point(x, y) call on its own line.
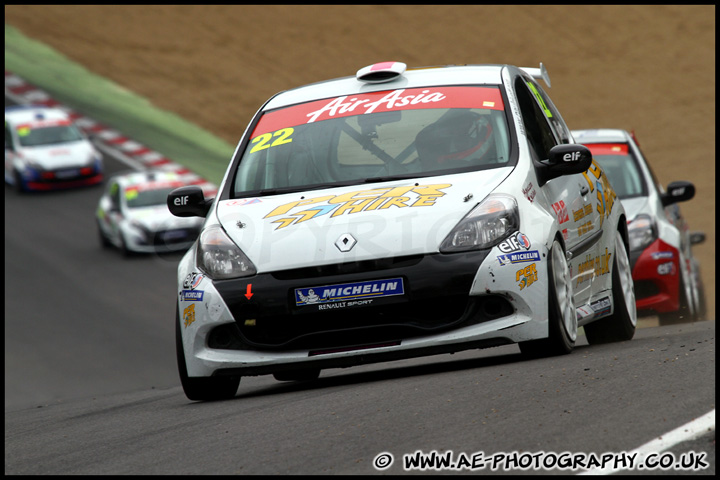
point(298, 375)
point(619, 326)
point(201, 388)
point(19, 184)
point(562, 319)
point(126, 252)
point(104, 242)
point(701, 314)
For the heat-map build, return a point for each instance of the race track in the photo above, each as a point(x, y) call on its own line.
point(91, 385)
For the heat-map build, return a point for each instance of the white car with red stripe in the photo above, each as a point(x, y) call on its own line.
point(399, 213)
point(45, 150)
point(132, 214)
point(665, 272)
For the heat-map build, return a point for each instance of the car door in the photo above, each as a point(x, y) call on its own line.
point(571, 197)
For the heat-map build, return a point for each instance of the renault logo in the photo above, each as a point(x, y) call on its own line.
point(345, 243)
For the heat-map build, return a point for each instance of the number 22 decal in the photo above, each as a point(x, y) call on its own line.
point(263, 141)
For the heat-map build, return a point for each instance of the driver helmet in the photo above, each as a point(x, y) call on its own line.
point(458, 135)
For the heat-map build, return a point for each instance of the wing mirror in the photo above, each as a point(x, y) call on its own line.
point(188, 201)
point(567, 159)
point(697, 238)
point(679, 191)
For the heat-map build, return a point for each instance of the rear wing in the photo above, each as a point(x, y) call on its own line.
point(538, 73)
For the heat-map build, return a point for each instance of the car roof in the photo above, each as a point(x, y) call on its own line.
point(601, 135)
point(22, 114)
point(145, 177)
point(396, 78)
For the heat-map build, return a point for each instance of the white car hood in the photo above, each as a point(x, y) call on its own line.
point(388, 219)
point(635, 206)
point(66, 155)
point(158, 218)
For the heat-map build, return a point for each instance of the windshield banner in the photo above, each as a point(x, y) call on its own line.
point(375, 102)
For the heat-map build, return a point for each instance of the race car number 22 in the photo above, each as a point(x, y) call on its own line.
point(263, 141)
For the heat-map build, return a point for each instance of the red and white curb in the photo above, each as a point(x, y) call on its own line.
point(129, 151)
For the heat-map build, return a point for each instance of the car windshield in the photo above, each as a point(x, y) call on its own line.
point(621, 168)
point(48, 135)
point(374, 137)
point(136, 197)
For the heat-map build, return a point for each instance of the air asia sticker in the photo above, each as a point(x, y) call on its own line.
point(357, 201)
point(374, 102)
point(344, 292)
point(519, 241)
point(192, 295)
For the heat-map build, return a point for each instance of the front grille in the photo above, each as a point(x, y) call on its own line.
point(645, 289)
point(175, 236)
point(338, 329)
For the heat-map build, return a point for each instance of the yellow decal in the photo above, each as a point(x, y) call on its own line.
point(547, 111)
point(597, 266)
point(528, 275)
point(263, 141)
point(189, 315)
point(585, 228)
point(356, 202)
point(605, 195)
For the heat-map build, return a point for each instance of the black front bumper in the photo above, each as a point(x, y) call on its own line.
point(436, 298)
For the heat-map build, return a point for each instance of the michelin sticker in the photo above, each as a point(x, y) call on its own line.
point(348, 294)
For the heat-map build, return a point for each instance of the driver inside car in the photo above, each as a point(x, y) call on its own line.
point(459, 138)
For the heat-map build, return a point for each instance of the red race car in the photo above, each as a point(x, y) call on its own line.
point(665, 273)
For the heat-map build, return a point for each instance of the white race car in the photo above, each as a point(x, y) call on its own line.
point(665, 272)
point(45, 150)
point(133, 216)
point(399, 213)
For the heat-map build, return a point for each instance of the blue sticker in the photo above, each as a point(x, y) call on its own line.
point(519, 257)
point(349, 291)
point(192, 295)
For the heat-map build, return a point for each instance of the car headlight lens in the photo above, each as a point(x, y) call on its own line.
point(219, 257)
point(486, 225)
point(642, 232)
point(143, 232)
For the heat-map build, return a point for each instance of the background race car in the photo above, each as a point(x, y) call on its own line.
point(400, 213)
point(132, 214)
point(45, 150)
point(665, 272)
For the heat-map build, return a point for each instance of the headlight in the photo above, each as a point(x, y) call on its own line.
point(486, 225)
point(642, 232)
point(219, 257)
point(143, 232)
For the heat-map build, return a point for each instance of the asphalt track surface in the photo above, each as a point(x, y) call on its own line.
point(91, 385)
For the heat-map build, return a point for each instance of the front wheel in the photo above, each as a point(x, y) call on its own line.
point(19, 183)
point(201, 388)
point(621, 324)
point(562, 319)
